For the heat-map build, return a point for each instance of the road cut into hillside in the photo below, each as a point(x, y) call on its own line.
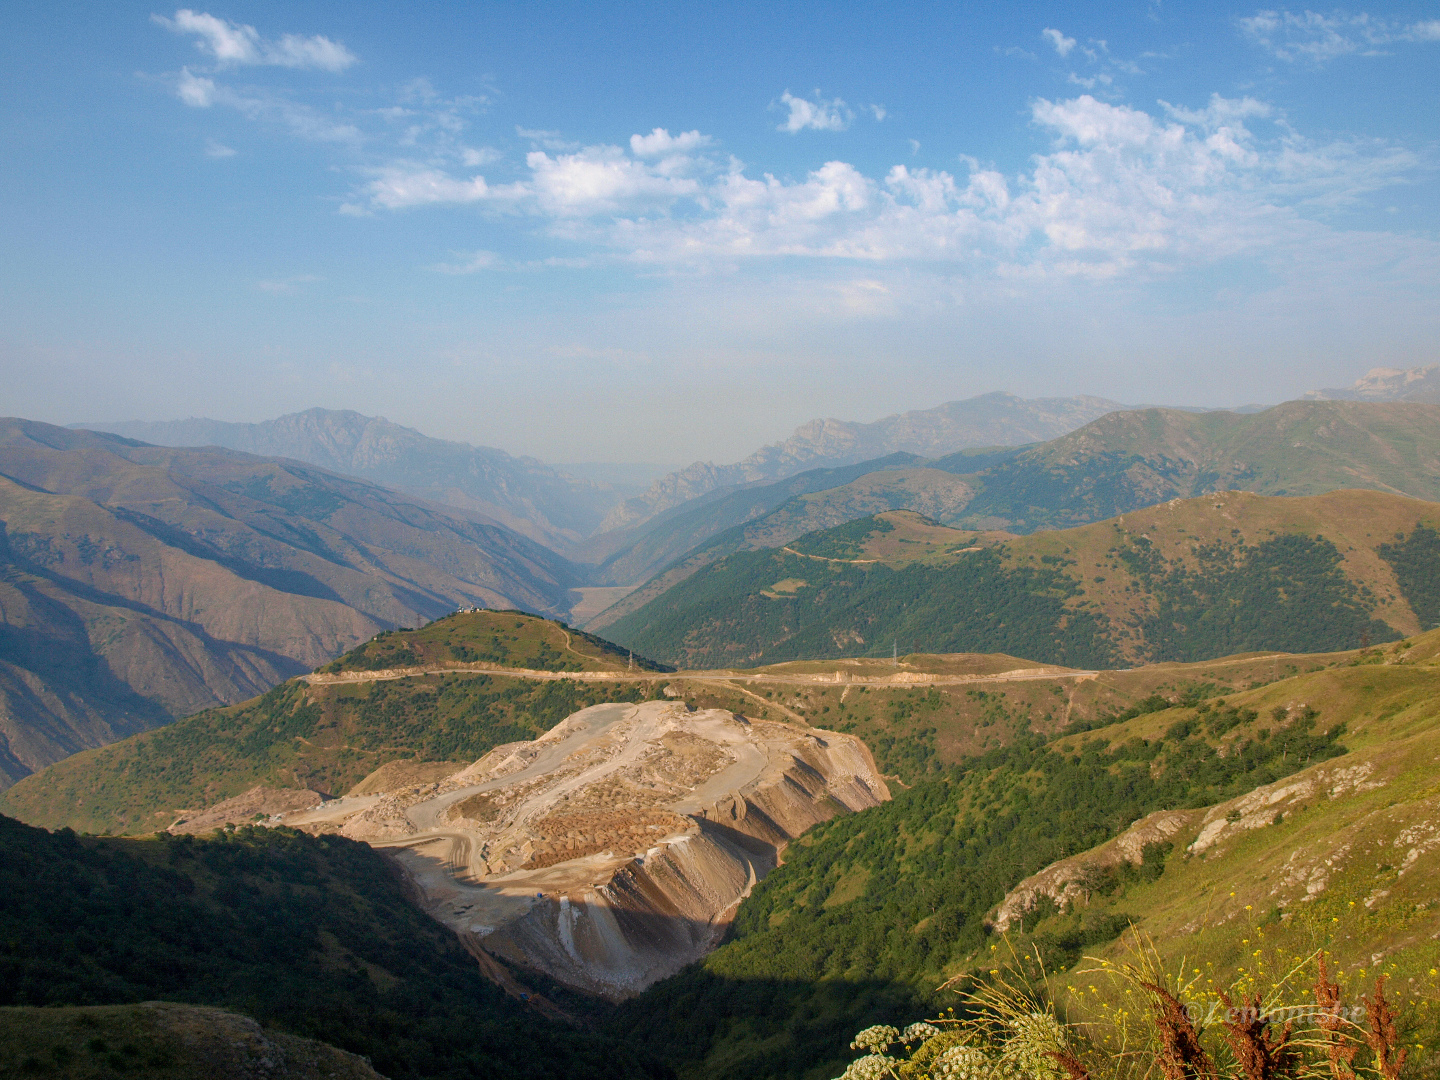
point(900, 677)
point(613, 850)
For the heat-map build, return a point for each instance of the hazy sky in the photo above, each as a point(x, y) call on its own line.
point(663, 232)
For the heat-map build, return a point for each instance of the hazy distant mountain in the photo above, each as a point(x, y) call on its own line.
point(141, 583)
point(1387, 384)
point(519, 492)
point(988, 420)
point(1125, 461)
point(1120, 463)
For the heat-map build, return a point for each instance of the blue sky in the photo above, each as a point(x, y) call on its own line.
point(658, 233)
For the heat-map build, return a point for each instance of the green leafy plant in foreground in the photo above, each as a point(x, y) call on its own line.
point(1154, 1020)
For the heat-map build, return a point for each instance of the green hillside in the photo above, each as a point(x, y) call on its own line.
point(312, 936)
point(329, 736)
point(932, 492)
point(628, 556)
point(1206, 577)
point(1128, 460)
point(1122, 462)
point(510, 639)
point(872, 911)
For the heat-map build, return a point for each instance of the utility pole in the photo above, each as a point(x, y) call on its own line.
point(894, 652)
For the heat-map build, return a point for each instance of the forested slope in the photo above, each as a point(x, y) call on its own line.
point(312, 936)
point(1207, 577)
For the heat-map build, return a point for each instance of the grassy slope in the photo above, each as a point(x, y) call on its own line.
point(1219, 574)
point(329, 737)
point(506, 638)
point(872, 911)
point(630, 556)
point(313, 936)
point(1127, 460)
point(1349, 868)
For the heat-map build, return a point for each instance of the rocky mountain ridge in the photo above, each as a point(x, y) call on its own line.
point(141, 583)
point(997, 419)
point(1387, 384)
point(520, 493)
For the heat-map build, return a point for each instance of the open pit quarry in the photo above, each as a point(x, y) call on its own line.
point(613, 850)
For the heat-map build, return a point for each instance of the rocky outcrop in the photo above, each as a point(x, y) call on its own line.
point(257, 804)
point(613, 850)
point(1069, 880)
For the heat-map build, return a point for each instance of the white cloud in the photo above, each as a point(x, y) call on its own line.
point(818, 115)
point(1120, 192)
point(1059, 41)
point(396, 187)
point(217, 150)
point(233, 44)
point(469, 262)
point(1315, 37)
point(473, 158)
point(600, 179)
point(878, 111)
point(201, 92)
point(289, 285)
point(195, 90)
point(660, 143)
point(550, 140)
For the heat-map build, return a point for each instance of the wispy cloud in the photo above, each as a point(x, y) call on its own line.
point(660, 143)
point(817, 115)
point(214, 149)
point(287, 285)
point(1312, 36)
point(1058, 41)
point(203, 92)
point(1121, 192)
point(232, 44)
point(469, 262)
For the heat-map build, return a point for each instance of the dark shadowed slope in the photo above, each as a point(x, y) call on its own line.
point(140, 583)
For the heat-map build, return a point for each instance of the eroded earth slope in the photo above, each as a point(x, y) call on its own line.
point(611, 851)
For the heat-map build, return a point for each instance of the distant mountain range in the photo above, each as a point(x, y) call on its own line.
point(1118, 463)
point(592, 519)
point(1127, 460)
point(1387, 384)
point(520, 493)
point(988, 420)
point(141, 583)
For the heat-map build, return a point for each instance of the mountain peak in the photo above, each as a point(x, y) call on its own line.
point(1387, 384)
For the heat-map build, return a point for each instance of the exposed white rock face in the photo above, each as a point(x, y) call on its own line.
point(613, 850)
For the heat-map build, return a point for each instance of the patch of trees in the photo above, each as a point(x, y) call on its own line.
point(1287, 593)
point(310, 935)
